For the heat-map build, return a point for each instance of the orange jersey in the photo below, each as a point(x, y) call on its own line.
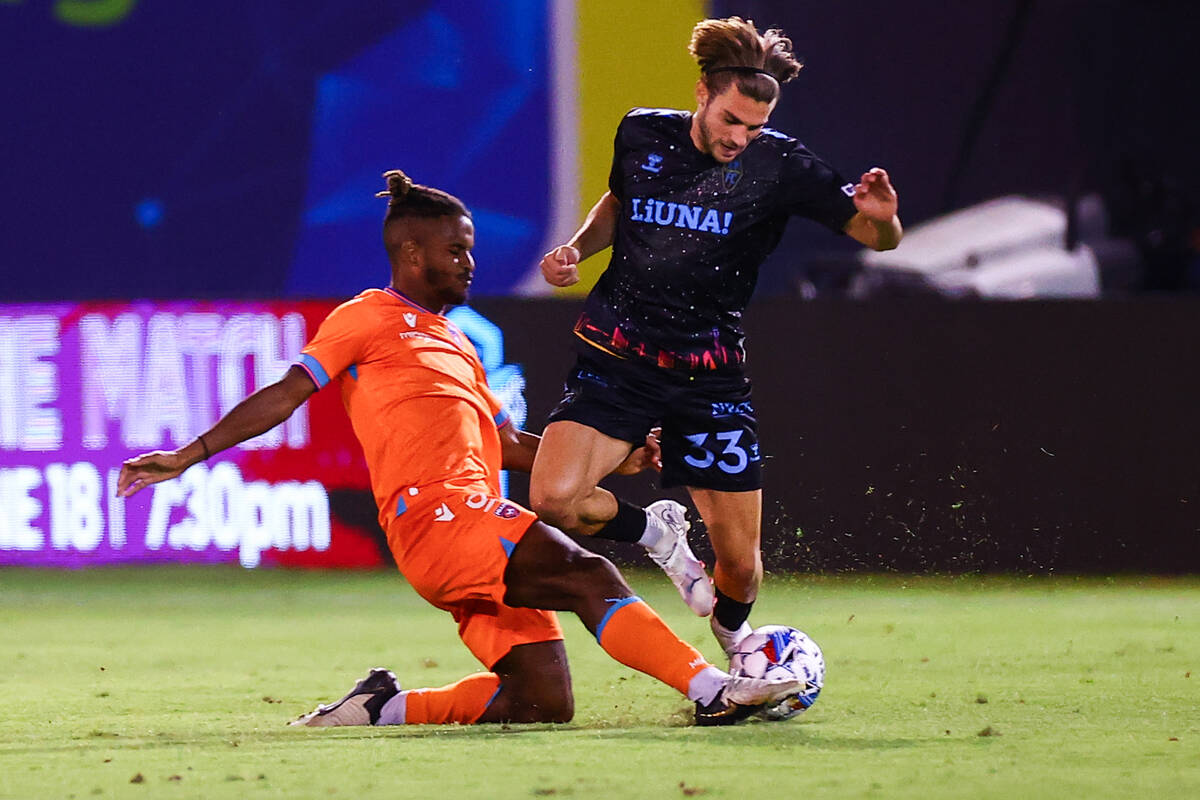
point(416, 394)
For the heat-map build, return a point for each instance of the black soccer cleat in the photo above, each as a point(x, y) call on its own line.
point(724, 712)
point(361, 705)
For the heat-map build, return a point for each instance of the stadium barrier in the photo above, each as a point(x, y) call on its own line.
point(915, 435)
point(930, 435)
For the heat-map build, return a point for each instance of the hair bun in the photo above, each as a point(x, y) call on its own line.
point(398, 184)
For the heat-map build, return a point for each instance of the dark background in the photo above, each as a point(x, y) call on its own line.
point(168, 154)
point(232, 150)
point(922, 435)
point(962, 102)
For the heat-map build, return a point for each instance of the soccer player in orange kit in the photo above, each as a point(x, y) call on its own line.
point(435, 440)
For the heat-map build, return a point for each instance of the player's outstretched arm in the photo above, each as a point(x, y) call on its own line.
point(877, 223)
point(257, 414)
point(560, 267)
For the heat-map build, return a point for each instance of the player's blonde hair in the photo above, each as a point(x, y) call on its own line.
point(732, 50)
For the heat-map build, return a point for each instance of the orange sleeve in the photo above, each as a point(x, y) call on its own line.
point(339, 343)
point(495, 407)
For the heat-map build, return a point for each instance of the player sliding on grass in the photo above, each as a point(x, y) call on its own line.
point(435, 440)
point(696, 202)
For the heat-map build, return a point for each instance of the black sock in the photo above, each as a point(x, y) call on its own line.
point(627, 526)
point(730, 614)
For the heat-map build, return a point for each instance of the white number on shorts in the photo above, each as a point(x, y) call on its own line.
point(737, 461)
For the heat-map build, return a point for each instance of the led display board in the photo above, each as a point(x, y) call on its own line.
point(85, 386)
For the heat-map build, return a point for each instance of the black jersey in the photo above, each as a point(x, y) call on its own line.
point(691, 235)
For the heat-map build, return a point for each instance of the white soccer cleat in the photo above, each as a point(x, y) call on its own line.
point(747, 691)
point(743, 697)
point(676, 558)
point(360, 706)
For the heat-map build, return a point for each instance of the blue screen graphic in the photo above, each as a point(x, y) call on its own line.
point(457, 98)
point(232, 150)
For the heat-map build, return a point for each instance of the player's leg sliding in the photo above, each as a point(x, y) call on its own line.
point(630, 632)
point(360, 706)
point(634, 635)
point(662, 528)
point(548, 570)
point(378, 700)
point(463, 702)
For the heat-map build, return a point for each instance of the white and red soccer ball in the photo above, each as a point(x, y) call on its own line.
point(776, 651)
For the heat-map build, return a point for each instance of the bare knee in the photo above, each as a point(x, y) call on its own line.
point(555, 505)
point(739, 576)
point(535, 685)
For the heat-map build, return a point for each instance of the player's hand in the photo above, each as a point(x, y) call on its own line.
point(560, 267)
point(875, 197)
point(139, 472)
point(648, 456)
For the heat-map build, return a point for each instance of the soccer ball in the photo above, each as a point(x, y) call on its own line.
point(779, 651)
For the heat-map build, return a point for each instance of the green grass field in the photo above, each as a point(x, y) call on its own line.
point(178, 682)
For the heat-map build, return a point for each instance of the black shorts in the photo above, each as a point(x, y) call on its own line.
point(709, 433)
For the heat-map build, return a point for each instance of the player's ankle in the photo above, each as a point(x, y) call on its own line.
point(628, 525)
point(707, 684)
point(653, 538)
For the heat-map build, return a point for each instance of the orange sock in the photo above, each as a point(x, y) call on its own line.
point(634, 635)
point(462, 702)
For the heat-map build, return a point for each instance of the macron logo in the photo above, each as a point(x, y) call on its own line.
point(443, 513)
point(410, 318)
point(848, 190)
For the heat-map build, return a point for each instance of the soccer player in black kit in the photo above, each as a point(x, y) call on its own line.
point(696, 202)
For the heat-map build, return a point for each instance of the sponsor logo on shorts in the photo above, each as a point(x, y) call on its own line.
point(501, 508)
point(443, 513)
point(732, 409)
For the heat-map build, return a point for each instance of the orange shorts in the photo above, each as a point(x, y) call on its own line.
point(453, 546)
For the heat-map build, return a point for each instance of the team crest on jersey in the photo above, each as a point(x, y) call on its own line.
point(731, 173)
point(653, 163)
point(410, 318)
point(506, 511)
